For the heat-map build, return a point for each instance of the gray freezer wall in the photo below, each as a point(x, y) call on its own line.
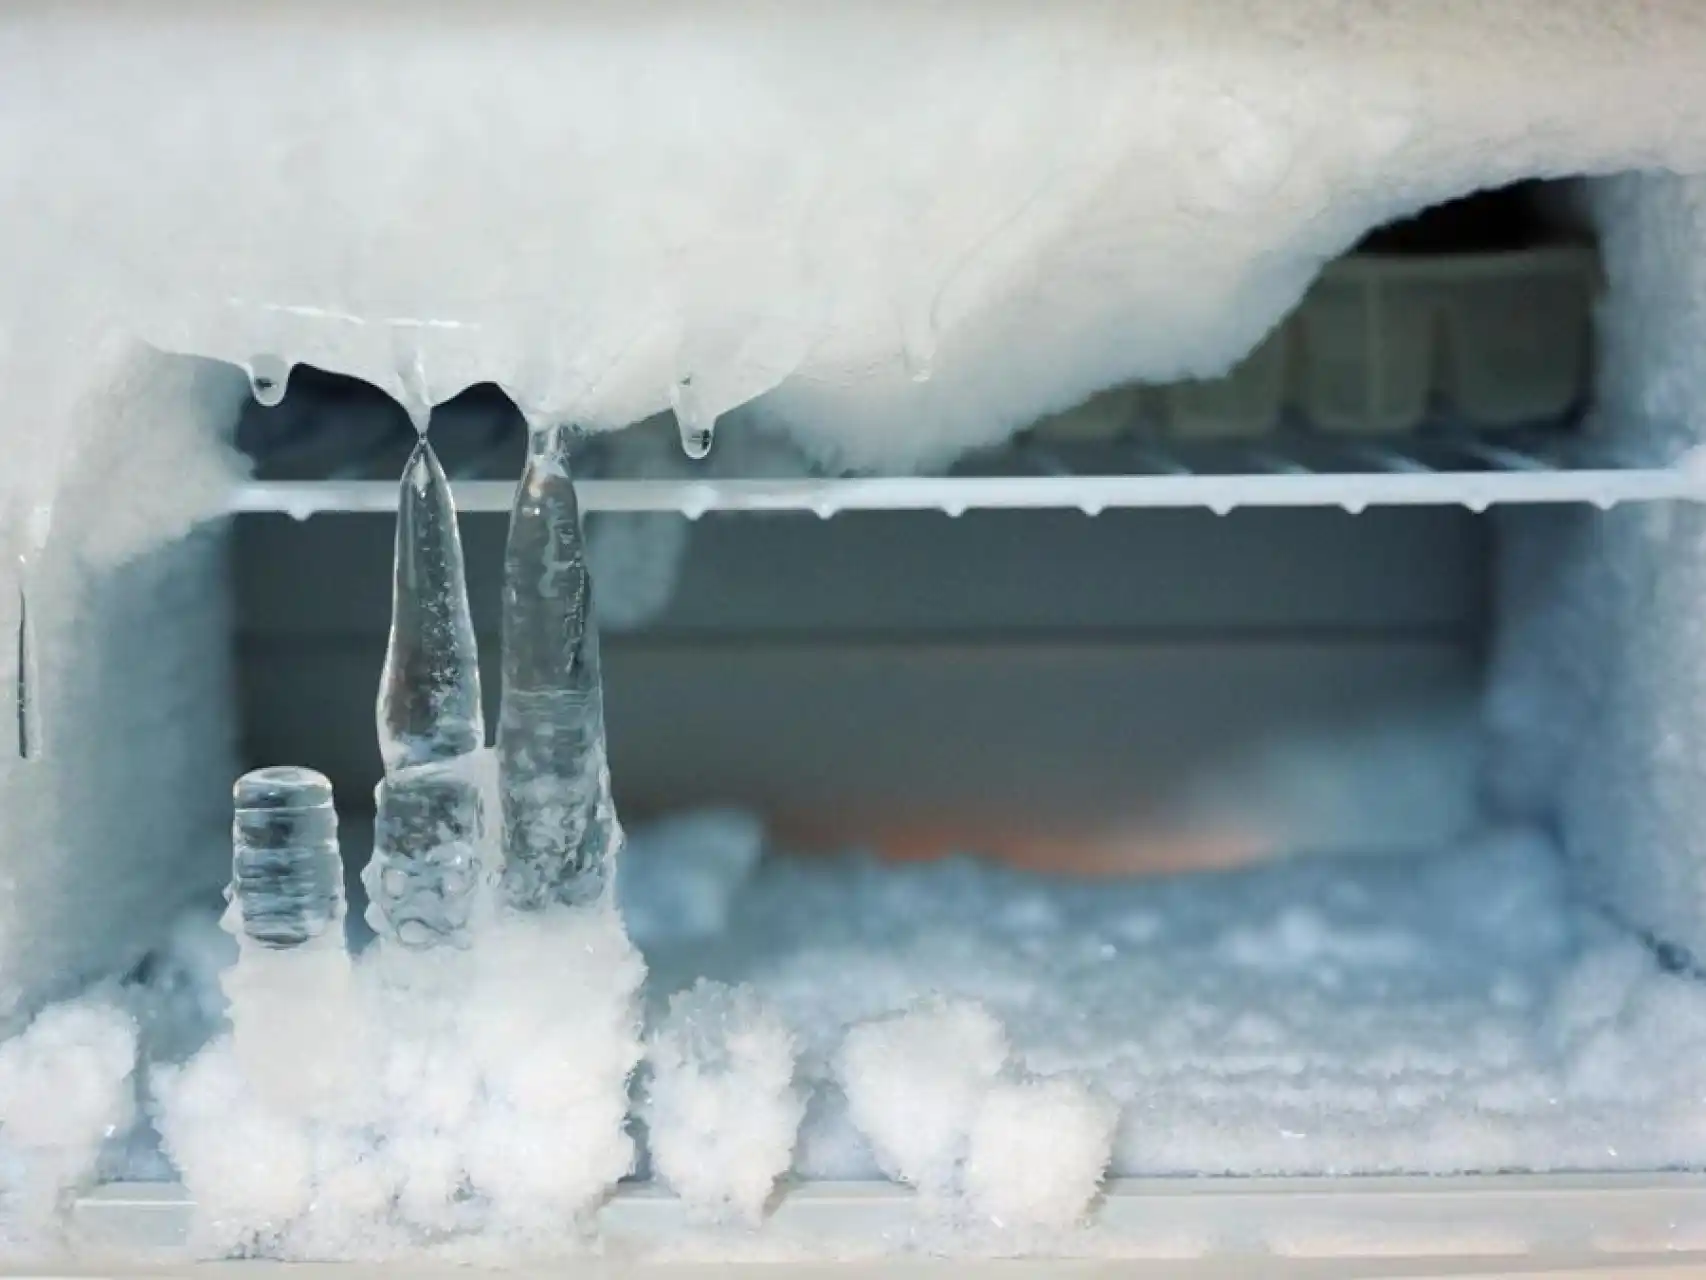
point(1042, 670)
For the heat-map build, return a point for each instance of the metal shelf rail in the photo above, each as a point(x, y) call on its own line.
point(1277, 472)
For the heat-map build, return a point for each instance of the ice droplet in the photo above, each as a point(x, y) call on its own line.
point(918, 346)
point(698, 428)
point(269, 379)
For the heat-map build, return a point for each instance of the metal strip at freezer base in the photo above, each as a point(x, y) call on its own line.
point(1528, 1225)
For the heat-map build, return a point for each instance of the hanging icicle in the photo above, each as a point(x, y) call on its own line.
point(430, 817)
point(561, 832)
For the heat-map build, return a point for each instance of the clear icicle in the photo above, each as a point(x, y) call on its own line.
point(430, 809)
point(429, 691)
point(561, 833)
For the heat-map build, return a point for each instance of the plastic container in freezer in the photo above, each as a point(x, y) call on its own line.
point(1384, 344)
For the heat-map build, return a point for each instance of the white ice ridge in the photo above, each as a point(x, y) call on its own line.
point(900, 228)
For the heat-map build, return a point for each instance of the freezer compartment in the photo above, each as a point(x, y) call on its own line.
point(971, 754)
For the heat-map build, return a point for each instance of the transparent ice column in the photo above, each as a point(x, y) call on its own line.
point(560, 828)
point(430, 809)
point(294, 1026)
point(287, 878)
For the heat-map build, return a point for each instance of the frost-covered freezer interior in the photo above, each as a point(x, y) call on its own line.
point(1314, 803)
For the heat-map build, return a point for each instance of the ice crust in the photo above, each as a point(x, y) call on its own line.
point(900, 229)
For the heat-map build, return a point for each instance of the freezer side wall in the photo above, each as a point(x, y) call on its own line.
point(120, 820)
point(1597, 704)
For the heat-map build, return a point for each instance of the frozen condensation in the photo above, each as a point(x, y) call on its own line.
point(720, 1107)
point(561, 833)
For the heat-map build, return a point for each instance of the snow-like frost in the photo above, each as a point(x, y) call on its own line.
point(720, 1108)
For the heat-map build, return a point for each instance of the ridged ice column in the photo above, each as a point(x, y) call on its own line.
point(561, 832)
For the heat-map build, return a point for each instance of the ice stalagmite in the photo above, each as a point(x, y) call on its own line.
point(560, 828)
point(430, 813)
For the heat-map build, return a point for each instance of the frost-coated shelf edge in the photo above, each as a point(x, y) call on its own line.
point(1584, 1218)
point(1353, 491)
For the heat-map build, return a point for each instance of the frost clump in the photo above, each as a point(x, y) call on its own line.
point(1037, 1151)
point(934, 1092)
point(721, 1108)
point(486, 1114)
point(65, 1088)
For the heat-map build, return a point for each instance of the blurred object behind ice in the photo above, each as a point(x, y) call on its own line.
point(679, 875)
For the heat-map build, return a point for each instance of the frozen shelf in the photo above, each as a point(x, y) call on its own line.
point(1623, 1224)
point(1485, 475)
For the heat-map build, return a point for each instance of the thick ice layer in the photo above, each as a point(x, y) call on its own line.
point(908, 228)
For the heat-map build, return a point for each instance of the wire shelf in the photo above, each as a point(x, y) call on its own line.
point(337, 446)
point(1348, 474)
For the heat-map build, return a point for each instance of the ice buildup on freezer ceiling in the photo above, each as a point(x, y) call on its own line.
point(900, 229)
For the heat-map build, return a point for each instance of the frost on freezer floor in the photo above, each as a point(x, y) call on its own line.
point(1456, 1012)
point(999, 1041)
